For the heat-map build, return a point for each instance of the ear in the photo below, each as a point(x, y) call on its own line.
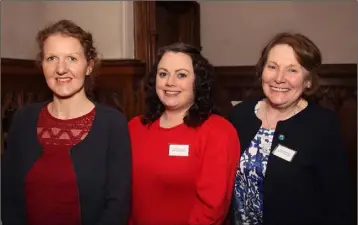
point(308, 84)
point(90, 67)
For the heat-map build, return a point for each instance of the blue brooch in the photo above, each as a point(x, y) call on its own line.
point(281, 137)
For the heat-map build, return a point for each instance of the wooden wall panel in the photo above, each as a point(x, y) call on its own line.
point(118, 84)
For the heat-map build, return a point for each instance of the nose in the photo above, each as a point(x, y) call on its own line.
point(170, 81)
point(280, 76)
point(62, 67)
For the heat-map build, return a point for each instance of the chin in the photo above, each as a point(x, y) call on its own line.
point(63, 95)
point(171, 106)
point(66, 94)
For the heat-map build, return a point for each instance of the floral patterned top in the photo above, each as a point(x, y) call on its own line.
point(248, 190)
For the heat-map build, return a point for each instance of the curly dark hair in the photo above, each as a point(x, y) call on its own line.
point(71, 29)
point(203, 105)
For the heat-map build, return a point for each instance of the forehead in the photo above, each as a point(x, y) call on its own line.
point(282, 54)
point(176, 60)
point(59, 42)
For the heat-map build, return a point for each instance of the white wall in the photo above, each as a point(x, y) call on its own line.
point(110, 22)
point(106, 20)
point(233, 33)
point(19, 24)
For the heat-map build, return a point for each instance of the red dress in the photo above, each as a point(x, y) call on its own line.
point(51, 191)
point(183, 175)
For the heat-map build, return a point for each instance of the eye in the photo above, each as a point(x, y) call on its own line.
point(51, 58)
point(71, 58)
point(292, 70)
point(162, 74)
point(181, 75)
point(270, 66)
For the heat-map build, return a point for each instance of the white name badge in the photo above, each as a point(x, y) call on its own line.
point(284, 153)
point(179, 150)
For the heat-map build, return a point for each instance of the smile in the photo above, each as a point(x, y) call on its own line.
point(63, 79)
point(171, 93)
point(280, 89)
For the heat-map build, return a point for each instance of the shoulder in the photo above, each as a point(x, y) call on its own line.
point(109, 112)
point(218, 125)
point(319, 115)
point(243, 111)
point(135, 125)
point(243, 107)
point(25, 116)
point(29, 111)
point(111, 116)
point(136, 121)
point(34, 107)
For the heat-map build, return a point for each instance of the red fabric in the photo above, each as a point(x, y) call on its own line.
point(183, 190)
point(51, 191)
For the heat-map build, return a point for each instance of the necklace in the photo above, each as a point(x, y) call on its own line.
point(295, 110)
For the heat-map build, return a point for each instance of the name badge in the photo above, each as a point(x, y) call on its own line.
point(284, 153)
point(179, 150)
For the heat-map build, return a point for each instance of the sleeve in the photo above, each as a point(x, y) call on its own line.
point(333, 172)
point(216, 182)
point(119, 173)
point(10, 213)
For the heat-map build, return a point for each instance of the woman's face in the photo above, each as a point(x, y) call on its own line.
point(175, 81)
point(283, 78)
point(64, 65)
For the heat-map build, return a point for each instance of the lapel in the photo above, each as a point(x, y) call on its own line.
point(30, 146)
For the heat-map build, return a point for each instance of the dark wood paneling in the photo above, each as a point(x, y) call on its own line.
point(161, 23)
point(145, 33)
point(117, 84)
point(241, 82)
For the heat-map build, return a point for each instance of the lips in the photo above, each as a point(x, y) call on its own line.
point(63, 80)
point(279, 89)
point(171, 93)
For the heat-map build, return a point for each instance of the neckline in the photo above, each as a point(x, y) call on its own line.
point(47, 112)
point(294, 117)
point(157, 126)
point(95, 124)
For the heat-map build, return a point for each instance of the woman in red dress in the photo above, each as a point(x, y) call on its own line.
point(185, 156)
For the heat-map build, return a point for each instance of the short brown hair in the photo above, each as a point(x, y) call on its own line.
point(307, 54)
point(70, 29)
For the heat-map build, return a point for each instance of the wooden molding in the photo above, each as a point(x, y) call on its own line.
point(145, 33)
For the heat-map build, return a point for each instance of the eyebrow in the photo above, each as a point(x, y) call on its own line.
point(286, 66)
point(175, 70)
point(71, 53)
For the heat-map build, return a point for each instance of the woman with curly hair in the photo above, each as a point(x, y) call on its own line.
point(67, 161)
point(185, 156)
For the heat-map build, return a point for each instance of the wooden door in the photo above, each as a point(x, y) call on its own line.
point(178, 22)
point(160, 23)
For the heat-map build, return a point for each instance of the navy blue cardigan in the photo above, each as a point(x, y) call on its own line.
point(314, 188)
point(102, 164)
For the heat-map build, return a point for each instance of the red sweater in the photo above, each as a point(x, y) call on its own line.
point(182, 175)
point(51, 191)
